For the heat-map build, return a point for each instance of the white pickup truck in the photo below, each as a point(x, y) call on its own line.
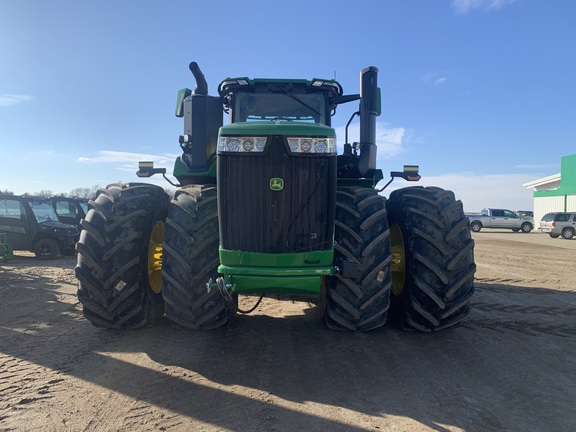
point(501, 218)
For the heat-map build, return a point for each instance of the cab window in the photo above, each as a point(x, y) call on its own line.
point(12, 209)
point(66, 209)
point(303, 107)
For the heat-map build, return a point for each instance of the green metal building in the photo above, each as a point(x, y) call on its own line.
point(555, 193)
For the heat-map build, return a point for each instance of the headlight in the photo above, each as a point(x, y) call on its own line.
point(241, 144)
point(312, 145)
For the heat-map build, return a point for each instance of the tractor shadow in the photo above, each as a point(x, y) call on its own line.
point(263, 368)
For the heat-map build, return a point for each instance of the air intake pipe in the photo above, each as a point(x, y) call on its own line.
point(369, 110)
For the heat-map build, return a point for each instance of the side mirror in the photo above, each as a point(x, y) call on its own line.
point(410, 173)
point(146, 169)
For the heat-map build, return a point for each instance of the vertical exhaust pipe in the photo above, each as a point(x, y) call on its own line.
point(369, 110)
point(202, 119)
point(201, 84)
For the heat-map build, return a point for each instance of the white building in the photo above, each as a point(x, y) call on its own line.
point(555, 193)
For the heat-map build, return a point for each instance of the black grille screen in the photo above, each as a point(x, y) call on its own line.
point(254, 218)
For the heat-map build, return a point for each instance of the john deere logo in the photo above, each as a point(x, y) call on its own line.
point(276, 184)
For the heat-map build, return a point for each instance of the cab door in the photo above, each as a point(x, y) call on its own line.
point(15, 223)
point(67, 211)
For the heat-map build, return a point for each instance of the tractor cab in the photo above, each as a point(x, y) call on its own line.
point(250, 100)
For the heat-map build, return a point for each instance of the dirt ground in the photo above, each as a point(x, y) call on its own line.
point(510, 367)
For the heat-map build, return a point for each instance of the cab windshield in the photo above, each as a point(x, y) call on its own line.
point(302, 107)
point(43, 211)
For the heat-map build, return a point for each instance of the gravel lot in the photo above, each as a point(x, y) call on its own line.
point(510, 367)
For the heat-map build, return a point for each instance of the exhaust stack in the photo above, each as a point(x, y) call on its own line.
point(369, 110)
point(201, 84)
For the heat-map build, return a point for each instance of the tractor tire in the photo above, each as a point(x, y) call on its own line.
point(361, 234)
point(191, 259)
point(433, 258)
point(46, 249)
point(119, 256)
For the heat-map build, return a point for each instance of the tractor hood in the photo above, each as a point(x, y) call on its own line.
point(277, 127)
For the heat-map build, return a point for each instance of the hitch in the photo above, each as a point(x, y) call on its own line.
point(225, 290)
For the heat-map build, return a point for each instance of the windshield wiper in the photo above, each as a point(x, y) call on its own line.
point(282, 90)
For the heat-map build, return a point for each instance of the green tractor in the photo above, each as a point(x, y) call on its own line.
point(266, 207)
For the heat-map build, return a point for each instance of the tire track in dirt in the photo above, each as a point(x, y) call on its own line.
point(528, 310)
point(545, 310)
point(24, 385)
point(525, 327)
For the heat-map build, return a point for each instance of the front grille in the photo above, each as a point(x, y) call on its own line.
point(254, 218)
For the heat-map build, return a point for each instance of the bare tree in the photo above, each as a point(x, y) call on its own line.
point(46, 193)
point(84, 192)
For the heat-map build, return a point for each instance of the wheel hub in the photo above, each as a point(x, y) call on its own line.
point(155, 250)
point(398, 259)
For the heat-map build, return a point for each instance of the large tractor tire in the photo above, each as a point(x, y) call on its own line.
point(432, 258)
point(191, 259)
point(120, 256)
point(361, 234)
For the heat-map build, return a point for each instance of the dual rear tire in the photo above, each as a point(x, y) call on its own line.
point(415, 259)
point(118, 256)
point(191, 259)
point(359, 302)
point(140, 256)
point(433, 260)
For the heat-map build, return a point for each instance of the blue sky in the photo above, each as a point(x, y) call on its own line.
point(480, 93)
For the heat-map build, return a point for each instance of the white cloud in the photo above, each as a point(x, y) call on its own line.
point(478, 191)
point(465, 6)
point(437, 78)
point(440, 81)
point(539, 167)
point(391, 141)
point(13, 99)
point(123, 158)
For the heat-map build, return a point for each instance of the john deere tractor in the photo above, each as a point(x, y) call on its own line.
point(266, 207)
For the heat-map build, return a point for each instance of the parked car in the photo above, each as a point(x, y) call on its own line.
point(559, 224)
point(30, 223)
point(522, 213)
point(500, 218)
point(70, 210)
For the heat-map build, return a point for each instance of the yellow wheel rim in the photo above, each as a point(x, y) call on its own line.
point(155, 257)
point(398, 259)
